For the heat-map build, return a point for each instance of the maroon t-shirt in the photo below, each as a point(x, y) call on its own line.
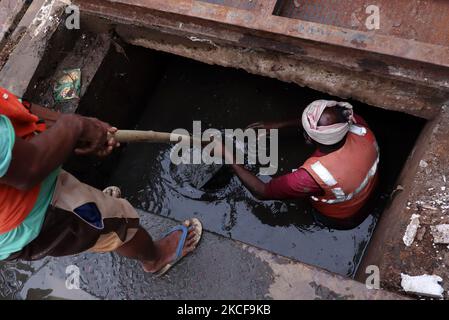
point(300, 183)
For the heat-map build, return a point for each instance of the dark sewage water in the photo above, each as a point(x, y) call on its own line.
point(154, 91)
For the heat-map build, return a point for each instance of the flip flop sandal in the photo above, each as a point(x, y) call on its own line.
point(194, 224)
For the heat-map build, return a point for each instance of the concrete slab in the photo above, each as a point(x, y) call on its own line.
point(426, 193)
point(28, 18)
point(345, 83)
point(89, 51)
point(219, 269)
point(16, 74)
point(10, 12)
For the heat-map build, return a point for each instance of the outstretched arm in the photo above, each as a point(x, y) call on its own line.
point(256, 186)
point(33, 160)
point(295, 185)
point(292, 123)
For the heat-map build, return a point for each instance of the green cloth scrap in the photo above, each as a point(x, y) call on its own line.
point(68, 86)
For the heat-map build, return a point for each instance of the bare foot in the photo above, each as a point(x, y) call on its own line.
point(167, 246)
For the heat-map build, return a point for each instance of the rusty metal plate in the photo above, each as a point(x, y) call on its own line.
point(424, 21)
point(261, 19)
point(239, 4)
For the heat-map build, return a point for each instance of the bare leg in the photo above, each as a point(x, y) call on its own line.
point(155, 255)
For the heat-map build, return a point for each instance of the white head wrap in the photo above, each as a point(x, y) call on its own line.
point(327, 135)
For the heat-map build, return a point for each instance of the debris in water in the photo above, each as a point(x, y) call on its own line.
point(68, 86)
point(440, 233)
point(411, 230)
point(424, 285)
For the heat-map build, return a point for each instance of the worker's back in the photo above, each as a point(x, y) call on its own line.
point(347, 176)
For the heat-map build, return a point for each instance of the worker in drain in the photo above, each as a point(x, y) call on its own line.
point(45, 211)
point(340, 175)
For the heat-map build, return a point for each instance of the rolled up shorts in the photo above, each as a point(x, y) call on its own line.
point(81, 219)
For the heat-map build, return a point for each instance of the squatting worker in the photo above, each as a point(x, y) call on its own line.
point(45, 211)
point(340, 175)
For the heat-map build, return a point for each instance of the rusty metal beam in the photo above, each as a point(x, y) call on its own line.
point(260, 18)
point(424, 21)
point(421, 101)
point(385, 81)
point(394, 67)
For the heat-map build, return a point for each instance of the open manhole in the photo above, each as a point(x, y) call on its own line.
point(145, 89)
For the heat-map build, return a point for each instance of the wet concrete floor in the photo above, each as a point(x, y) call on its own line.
point(219, 269)
point(109, 276)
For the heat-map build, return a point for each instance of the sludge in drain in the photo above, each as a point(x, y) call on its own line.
point(164, 92)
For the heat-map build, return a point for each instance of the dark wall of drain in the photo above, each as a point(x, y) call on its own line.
point(150, 90)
